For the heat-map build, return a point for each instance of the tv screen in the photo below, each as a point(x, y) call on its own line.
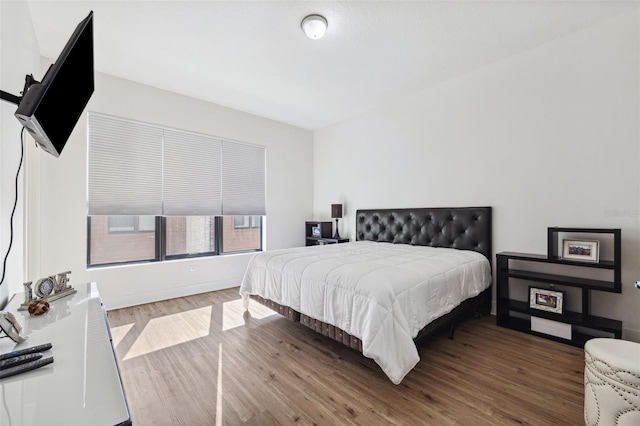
point(49, 110)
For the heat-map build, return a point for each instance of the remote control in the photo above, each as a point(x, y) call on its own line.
point(32, 365)
point(17, 360)
point(31, 350)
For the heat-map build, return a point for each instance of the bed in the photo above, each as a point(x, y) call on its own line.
point(409, 273)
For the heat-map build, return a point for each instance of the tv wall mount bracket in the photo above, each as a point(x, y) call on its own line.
point(28, 81)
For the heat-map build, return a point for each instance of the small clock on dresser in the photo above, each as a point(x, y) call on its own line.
point(43, 288)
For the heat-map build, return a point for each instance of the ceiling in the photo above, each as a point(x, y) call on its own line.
point(253, 56)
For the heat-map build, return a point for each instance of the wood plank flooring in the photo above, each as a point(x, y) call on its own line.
point(203, 360)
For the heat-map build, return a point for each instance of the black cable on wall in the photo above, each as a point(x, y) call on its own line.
point(15, 204)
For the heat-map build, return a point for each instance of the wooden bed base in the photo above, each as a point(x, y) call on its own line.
point(285, 311)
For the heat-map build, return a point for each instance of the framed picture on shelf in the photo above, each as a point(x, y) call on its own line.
point(546, 300)
point(587, 251)
point(315, 232)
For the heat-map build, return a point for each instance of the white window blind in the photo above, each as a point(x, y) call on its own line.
point(140, 169)
point(243, 170)
point(125, 167)
point(192, 166)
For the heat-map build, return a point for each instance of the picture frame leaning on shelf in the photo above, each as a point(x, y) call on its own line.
point(546, 300)
point(582, 250)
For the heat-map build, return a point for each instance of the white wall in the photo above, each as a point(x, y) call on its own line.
point(548, 137)
point(60, 243)
point(18, 57)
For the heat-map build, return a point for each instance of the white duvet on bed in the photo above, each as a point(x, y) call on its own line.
point(382, 293)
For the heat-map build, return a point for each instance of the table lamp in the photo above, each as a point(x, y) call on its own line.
point(336, 213)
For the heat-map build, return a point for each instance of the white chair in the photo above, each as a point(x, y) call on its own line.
point(611, 382)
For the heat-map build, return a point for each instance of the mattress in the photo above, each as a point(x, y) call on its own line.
point(382, 293)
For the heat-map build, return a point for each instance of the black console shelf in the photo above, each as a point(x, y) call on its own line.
point(517, 314)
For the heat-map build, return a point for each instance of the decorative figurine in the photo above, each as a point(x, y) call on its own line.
point(38, 307)
point(49, 288)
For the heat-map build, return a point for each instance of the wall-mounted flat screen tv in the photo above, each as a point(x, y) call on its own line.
point(49, 110)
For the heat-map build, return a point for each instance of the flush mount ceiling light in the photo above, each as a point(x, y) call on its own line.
point(314, 26)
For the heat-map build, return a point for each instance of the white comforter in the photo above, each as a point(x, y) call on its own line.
point(382, 293)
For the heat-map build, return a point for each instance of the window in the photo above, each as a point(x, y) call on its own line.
point(190, 235)
point(242, 238)
point(131, 224)
point(119, 239)
point(156, 193)
point(240, 222)
point(113, 239)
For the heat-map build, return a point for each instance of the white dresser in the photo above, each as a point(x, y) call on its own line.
point(82, 387)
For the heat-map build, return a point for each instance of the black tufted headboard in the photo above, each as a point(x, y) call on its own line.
point(467, 228)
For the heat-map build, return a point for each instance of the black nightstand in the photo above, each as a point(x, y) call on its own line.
point(323, 241)
point(319, 233)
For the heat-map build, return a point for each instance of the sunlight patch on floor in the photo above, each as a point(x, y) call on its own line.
point(118, 333)
point(233, 313)
point(171, 330)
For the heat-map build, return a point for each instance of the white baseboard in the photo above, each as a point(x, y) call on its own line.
point(171, 293)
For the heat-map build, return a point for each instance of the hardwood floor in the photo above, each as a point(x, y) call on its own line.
point(202, 360)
